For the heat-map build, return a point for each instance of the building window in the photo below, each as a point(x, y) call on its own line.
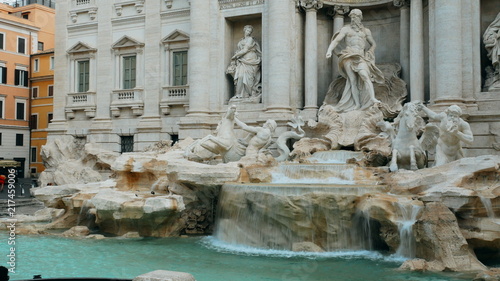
point(180, 68)
point(34, 122)
point(20, 109)
point(51, 63)
point(25, 15)
point(33, 170)
point(127, 144)
point(49, 118)
point(83, 76)
point(3, 75)
point(36, 65)
point(40, 46)
point(50, 91)
point(33, 155)
point(2, 40)
point(21, 78)
point(129, 66)
point(21, 45)
point(0, 138)
point(19, 139)
point(34, 92)
point(1, 107)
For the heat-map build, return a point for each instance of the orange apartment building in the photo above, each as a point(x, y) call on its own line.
point(42, 92)
point(24, 31)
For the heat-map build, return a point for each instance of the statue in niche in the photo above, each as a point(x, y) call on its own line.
point(453, 130)
point(259, 139)
point(356, 64)
point(245, 68)
point(491, 40)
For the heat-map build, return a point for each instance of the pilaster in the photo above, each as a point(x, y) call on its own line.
point(280, 56)
point(311, 54)
point(447, 31)
point(404, 39)
point(150, 121)
point(58, 124)
point(416, 50)
point(199, 58)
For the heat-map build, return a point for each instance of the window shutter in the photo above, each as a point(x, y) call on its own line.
point(25, 75)
point(4, 75)
point(20, 111)
point(16, 78)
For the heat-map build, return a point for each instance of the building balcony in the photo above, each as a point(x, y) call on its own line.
point(85, 101)
point(174, 95)
point(82, 7)
point(83, 4)
point(130, 98)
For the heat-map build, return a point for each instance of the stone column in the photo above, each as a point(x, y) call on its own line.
point(199, 58)
point(311, 53)
point(279, 55)
point(448, 51)
point(338, 13)
point(404, 39)
point(416, 50)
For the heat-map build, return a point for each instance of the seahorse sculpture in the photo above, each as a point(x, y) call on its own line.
point(297, 133)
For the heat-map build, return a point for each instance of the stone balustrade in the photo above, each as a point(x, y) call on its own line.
point(129, 98)
point(80, 101)
point(174, 95)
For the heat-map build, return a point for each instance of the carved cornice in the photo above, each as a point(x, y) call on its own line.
point(401, 3)
point(311, 4)
point(229, 4)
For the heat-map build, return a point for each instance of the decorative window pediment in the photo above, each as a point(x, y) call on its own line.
point(126, 42)
point(176, 36)
point(80, 48)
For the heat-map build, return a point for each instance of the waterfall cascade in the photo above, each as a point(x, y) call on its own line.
point(316, 203)
point(488, 206)
point(409, 213)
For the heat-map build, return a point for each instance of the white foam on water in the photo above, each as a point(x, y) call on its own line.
point(215, 244)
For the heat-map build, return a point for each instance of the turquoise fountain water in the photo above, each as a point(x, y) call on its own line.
point(206, 258)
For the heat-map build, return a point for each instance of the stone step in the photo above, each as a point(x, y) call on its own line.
point(488, 101)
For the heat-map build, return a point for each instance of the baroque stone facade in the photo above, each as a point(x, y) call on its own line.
point(131, 73)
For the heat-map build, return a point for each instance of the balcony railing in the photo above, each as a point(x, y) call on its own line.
point(79, 4)
point(81, 101)
point(132, 98)
point(174, 95)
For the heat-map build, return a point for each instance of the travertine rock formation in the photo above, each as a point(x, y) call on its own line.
point(69, 160)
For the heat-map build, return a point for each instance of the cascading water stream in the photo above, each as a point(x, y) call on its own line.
point(315, 173)
point(407, 245)
point(305, 203)
point(84, 209)
point(488, 206)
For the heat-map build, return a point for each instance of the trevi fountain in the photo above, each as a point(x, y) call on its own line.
point(374, 187)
